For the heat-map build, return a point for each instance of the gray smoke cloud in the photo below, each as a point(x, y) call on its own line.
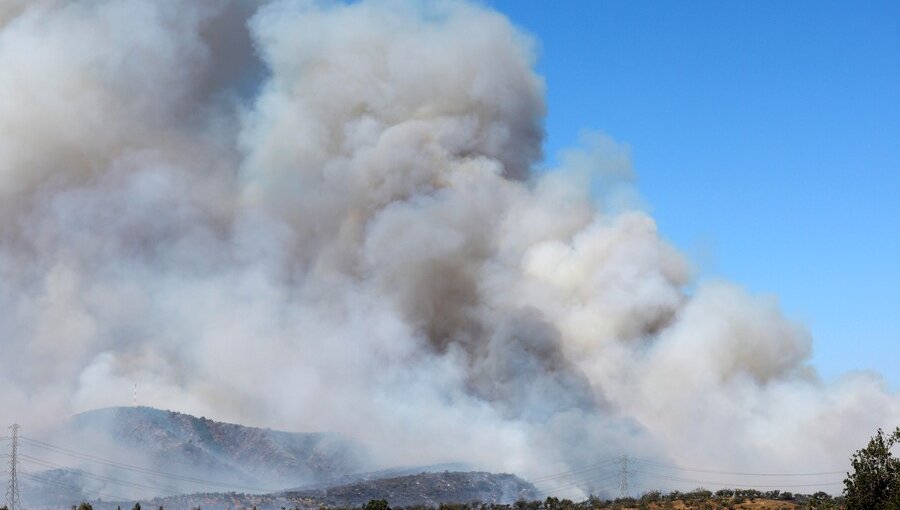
point(323, 216)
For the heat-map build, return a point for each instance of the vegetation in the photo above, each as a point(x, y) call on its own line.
point(699, 499)
point(377, 504)
point(875, 481)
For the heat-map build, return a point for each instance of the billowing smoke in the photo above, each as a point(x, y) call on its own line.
point(317, 216)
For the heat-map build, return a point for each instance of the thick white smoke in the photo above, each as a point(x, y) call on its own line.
point(318, 216)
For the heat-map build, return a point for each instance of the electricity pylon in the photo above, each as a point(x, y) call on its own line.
point(623, 477)
point(12, 490)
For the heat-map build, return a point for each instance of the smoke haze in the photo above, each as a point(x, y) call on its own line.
point(324, 217)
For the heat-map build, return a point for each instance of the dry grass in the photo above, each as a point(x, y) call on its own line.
point(715, 504)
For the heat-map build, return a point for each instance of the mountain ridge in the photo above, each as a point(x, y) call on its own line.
point(165, 457)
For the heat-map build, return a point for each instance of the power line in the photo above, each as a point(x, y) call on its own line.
point(129, 467)
point(589, 467)
point(735, 473)
point(217, 484)
point(637, 460)
point(588, 478)
point(578, 478)
point(574, 478)
point(80, 490)
point(732, 484)
point(592, 483)
point(86, 474)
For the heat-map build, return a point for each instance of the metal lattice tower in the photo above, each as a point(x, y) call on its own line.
point(623, 477)
point(12, 490)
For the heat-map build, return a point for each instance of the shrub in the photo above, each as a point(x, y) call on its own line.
point(377, 504)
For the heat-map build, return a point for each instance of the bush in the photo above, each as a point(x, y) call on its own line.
point(377, 504)
point(651, 497)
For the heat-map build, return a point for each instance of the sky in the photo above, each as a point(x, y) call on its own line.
point(766, 139)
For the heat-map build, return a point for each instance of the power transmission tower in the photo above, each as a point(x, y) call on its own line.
point(12, 490)
point(623, 477)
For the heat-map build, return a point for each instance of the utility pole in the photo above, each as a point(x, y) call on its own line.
point(12, 491)
point(623, 477)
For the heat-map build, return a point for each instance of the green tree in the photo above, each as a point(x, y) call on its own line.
point(377, 504)
point(875, 481)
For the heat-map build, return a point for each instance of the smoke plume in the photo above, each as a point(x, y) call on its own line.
point(325, 216)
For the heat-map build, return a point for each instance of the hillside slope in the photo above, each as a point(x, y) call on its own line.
point(428, 489)
point(140, 452)
point(246, 455)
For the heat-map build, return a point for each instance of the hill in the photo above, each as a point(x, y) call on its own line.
point(246, 455)
point(430, 489)
point(139, 452)
point(423, 489)
point(175, 460)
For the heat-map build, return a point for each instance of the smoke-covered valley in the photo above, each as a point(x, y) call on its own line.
point(329, 217)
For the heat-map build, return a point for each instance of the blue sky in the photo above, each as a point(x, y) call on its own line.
point(766, 138)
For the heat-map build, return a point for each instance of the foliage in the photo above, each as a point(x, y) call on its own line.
point(377, 504)
point(651, 497)
point(875, 481)
point(698, 499)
